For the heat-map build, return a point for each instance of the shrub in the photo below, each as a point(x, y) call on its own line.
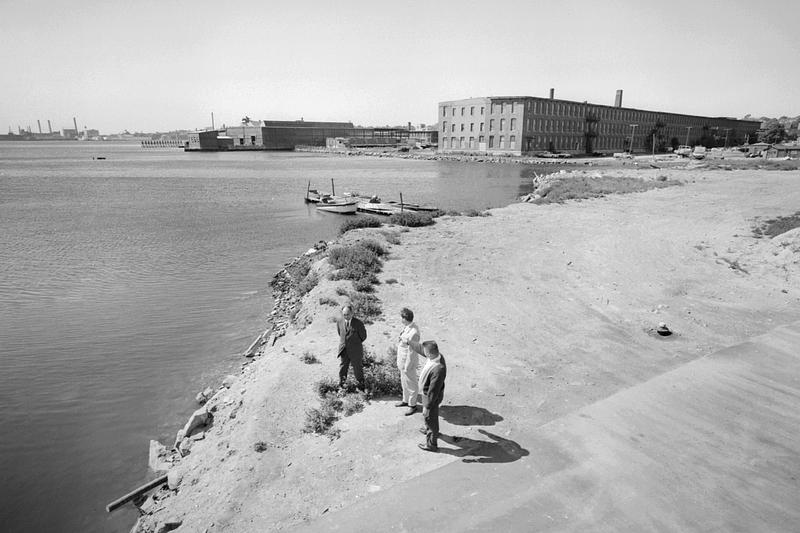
point(365, 306)
point(383, 378)
point(373, 245)
point(320, 421)
point(354, 262)
point(327, 300)
point(360, 222)
point(353, 403)
point(308, 283)
point(332, 402)
point(309, 358)
point(364, 285)
point(326, 386)
point(411, 220)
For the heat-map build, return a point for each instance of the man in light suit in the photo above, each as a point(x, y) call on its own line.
point(431, 383)
point(352, 334)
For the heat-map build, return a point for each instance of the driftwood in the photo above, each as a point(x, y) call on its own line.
point(136, 492)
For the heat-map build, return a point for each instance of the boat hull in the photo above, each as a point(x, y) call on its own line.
point(340, 208)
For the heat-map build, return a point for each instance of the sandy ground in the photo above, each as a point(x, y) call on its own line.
point(539, 309)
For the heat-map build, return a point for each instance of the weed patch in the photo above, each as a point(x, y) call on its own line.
point(309, 282)
point(776, 226)
point(327, 300)
point(411, 220)
point(359, 222)
point(309, 358)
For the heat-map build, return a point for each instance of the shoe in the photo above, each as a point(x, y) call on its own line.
point(401, 404)
point(427, 448)
point(423, 430)
point(411, 411)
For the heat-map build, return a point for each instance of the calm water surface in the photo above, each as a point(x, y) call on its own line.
point(130, 283)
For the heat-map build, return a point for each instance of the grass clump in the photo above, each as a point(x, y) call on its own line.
point(382, 377)
point(320, 420)
point(327, 300)
point(308, 283)
point(364, 285)
point(326, 385)
point(365, 306)
point(476, 213)
point(411, 219)
point(582, 187)
point(309, 358)
point(359, 222)
point(374, 246)
point(354, 262)
point(353, 403)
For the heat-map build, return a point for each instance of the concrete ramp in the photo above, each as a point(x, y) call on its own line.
point(711, 446)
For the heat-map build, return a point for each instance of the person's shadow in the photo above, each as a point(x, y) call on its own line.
point(467, 415)
point(498, 450)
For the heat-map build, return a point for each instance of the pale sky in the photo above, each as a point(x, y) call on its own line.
point(145, 65)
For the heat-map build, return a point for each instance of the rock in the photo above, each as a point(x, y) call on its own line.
point(179, 437)
point(174, 478)
point(202, 397)
point(229, 380)
point(169, 524)
point(157, 460)
point(199, 419)
point(198, 436)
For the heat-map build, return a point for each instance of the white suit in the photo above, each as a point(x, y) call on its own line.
point(408, 363)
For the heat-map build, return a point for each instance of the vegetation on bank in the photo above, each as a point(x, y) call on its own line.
point(584, 187)
point(382, 378)
point(776, 226)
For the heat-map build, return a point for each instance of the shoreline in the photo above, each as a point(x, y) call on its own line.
point(230, 399)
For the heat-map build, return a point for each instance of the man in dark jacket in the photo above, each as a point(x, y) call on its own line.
point(352, 334)
point(431, 383)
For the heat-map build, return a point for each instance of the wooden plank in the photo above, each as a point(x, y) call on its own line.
point(136, 492)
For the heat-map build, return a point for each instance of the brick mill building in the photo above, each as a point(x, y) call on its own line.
point(516, 125)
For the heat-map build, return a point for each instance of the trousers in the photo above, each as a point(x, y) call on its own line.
point(358, 369)
point(431, 417)
point(409, 379)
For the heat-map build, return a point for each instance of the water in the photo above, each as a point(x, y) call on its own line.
point(128, 284)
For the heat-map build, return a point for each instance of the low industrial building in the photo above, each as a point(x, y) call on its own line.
point(287, 135)
point(516, 125)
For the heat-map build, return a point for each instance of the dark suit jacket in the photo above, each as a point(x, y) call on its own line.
point(433, 387)
point(350, 341)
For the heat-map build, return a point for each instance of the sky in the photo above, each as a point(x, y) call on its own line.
point(162, 65)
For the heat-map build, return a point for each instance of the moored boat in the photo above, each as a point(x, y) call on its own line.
point(342, 206)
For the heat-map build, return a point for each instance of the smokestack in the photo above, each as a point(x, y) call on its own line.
point(49, 127)
point(618, 99)
point(552, 93)
point(212, 121)
point(40, 126)
point(75, 123)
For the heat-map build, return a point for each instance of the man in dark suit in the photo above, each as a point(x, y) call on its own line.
point(431, 383)
point(352, 334)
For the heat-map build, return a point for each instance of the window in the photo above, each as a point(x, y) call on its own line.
point(491, 125)
point(481, 139)
point(482, 110)
point(513, 142)
point(444, 126)
point(502, 142)
point(472, 142)
point(513, 124)
point(502, 124)
point(463, 143)
point(481, 126)
point(454, 112)
point(462, 127)
point(453, 128)
point(472, 110)
point(512, 108)
point(444, 111)
point(462, 111)
point(491, 141)
point(471, 126)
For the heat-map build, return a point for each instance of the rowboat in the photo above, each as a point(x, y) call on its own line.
point(332, 204)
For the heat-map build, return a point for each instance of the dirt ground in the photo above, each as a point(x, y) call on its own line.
point(539, 310)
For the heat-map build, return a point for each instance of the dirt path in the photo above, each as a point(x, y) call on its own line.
point(539, 310)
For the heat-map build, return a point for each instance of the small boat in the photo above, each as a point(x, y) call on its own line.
point(342, 206)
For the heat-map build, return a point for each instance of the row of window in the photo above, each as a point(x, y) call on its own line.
point(462, 126)
point(463, 110)
point(462, 143)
